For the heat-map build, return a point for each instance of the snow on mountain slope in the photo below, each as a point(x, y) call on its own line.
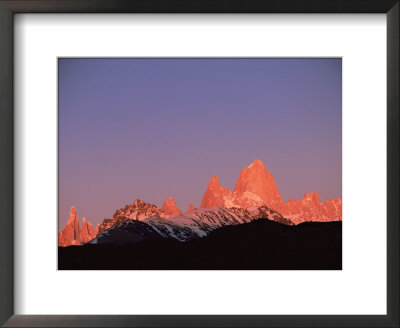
point(199, 222)
point(171, 229)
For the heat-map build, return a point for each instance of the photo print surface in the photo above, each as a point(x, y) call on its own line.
point(200, 163)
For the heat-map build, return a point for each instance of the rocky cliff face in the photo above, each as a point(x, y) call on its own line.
point(87, 232)
point(256, 186)
point(216, 195)
point(72, 234)
point(310, 208)
point(139, 210)
point(170, 208)
point(190, 208)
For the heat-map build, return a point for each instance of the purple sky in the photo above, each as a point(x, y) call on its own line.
point(153, 128)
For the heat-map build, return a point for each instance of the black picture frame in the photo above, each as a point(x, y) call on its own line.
point(10, 7)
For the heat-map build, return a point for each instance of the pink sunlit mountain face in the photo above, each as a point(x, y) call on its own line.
point(255, 196)
point(72, 234)
point(190, 208)
point(256, 186)
point(169, 207)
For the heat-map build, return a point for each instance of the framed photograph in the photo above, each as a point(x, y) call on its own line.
point(199, 164)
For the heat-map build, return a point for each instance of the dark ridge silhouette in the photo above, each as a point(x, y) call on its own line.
point(129, 232)
point(259, 245)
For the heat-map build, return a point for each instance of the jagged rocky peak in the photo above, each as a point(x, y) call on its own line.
point(215, 195)
point(73, 217)
point(72, 212)
point(312, 197)
point(92, 233)
point(333, 208)
point(139, 203)
point(311, 208)
point(73, 234)
point(257, 164)
point(87, 233)
point(137, 207)
point(170, 208)
point(256, 186)
point(190, 208)
point(139, 210)
point(214, 182)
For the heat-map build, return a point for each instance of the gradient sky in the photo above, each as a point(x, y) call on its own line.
point(153, 128)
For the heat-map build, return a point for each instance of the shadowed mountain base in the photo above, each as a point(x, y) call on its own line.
point(259, 245)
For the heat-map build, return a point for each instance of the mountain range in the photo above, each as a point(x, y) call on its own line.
point(255, 196)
